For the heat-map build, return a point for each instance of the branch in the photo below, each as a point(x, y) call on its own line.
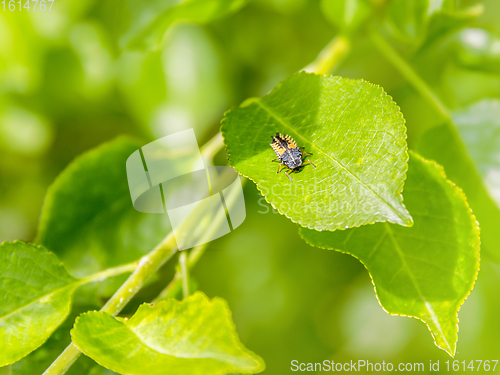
point(331, 56)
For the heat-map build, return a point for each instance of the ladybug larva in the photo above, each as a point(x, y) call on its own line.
point(288, 154)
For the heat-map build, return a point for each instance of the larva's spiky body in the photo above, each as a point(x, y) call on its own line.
point(288, 154)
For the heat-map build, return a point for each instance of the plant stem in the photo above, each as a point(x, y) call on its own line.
point(110, 272)
point(71, 353)
point(148, 264)
point(192, 259)
point(64, 361)
point(197, 252)
point(409, 73)
point(331, 56)
point(212, 147)
point(184, 273)
point(142, 270)
point(145, 267)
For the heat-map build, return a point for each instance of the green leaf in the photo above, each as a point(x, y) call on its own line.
point(419, 22)
point(425, 271)
point(439, 144)
point(407, 19)
point(193, 336)
point(348, 15)
point(358, 139)
point(88, 219)
point(40, 359)
point(35, 297)
point(149, 20)
point(154, 96)
point(446, 22)
point(479, 127)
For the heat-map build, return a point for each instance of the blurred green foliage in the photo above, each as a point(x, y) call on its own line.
point(67, 86)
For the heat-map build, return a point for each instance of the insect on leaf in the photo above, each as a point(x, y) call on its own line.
point(358, 139)
point(425, 271)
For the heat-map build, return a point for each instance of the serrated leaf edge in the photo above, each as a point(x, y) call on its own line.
point(73, 286)
point(259, 362)
point(451, 351)
point(399, 193)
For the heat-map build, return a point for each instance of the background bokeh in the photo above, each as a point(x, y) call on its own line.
point(66, 87)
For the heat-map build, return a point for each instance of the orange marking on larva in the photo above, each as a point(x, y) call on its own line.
point(289, 155)
point(290, 142)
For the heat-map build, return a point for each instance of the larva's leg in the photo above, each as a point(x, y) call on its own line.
point(309, 162)
point(283, 169)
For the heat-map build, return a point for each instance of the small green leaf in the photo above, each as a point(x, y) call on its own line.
point(193, 336)
point(419, 22)
point(154, 90)
point(88, 219)
point(35, 297)
point(439, 144)
point(407, 19)
point(446, 22)
point(348, 15)
point(41, 358)
point(149, 20)
point(479, 127)
point(358, 139)
point(425, 271)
